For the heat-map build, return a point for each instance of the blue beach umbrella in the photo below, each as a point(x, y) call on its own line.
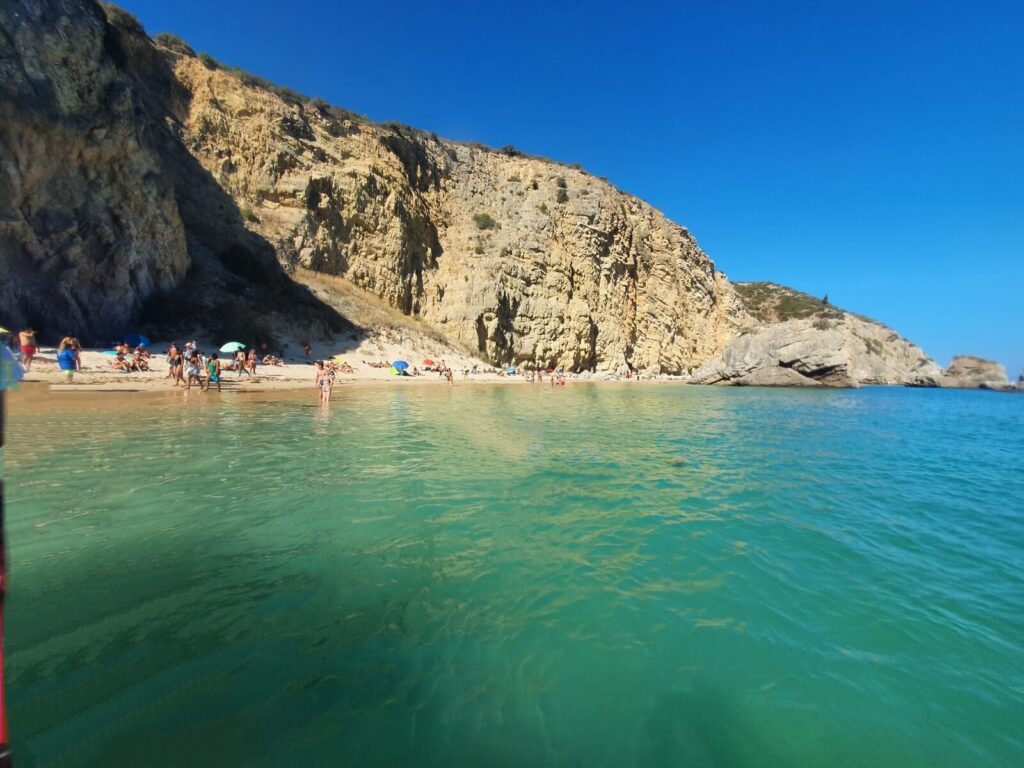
point(510, 369)
point(400, 365)
point(136, 340)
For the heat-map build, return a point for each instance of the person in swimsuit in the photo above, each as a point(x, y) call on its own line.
point(213, 372)
point(27, 338)
point(67, 359)
point(194, 372)
point(325, 383)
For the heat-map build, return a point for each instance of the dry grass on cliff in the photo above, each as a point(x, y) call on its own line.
point(373, 316)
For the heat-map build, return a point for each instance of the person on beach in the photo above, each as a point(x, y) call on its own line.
point(240, 364)
point(174, 365)
point(307, 351)
point(324, 380)
point(193, 371)
point(27, 339)
point(121, 363)
point(68, 359)
point(213, 372)
point(251, 362)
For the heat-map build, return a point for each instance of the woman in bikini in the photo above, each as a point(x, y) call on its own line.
point(174, 364)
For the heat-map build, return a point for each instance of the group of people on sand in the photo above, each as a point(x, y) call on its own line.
point(128, 360)
point(190, 365)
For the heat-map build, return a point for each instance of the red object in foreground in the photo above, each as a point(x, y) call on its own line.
point(5, 752)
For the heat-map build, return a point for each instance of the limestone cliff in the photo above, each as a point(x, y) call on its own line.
point(966, 372)
point(105, 218)
point(144, 187)
point(806, 341)
point(518, 259)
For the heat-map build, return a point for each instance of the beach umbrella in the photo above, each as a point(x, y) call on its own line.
point(232, 346)
point(394, 371)
point(136, 340)
point(401, 365)
point(428, 361)
point(4, 330)
point(510, 369)
point(110, 352)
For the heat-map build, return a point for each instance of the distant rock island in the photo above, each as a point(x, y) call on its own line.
point(150, 186)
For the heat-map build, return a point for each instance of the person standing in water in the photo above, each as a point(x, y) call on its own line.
point(324, 382)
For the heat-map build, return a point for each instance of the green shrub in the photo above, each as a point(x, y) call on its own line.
point(561, 182)
point(174, 43)
point(484, 221)
point(533, 184)
point(875, 347)
point(209, 61)
point(514, 177)
point(561, 196)
point(479, 250)
point(247, 213)
point(543, 207)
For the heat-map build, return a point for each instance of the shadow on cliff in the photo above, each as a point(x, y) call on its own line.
point(236, 288)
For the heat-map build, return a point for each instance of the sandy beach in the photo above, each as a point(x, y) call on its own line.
point(96, 373)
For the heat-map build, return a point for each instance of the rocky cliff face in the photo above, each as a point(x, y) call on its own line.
point(517, 259)
point(105, 218)
point(143, 186)
point(966, 372)
point(89, 227)
point(805, 341)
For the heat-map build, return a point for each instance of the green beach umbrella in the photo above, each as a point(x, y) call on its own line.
point(232, 346)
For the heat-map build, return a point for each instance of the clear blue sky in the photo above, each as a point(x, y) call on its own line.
point(871, 151)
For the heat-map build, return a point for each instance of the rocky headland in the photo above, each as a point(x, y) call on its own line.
point(147, 187)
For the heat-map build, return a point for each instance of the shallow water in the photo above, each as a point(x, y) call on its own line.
point(520, 576)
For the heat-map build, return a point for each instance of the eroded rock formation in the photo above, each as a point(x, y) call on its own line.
point(141, 184)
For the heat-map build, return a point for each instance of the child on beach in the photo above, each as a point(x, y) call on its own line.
point(67, 358)
point(213, 372)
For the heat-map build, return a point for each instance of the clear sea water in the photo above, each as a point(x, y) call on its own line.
point(519, 576)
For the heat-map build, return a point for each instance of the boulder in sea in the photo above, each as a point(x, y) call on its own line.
point(970, 372)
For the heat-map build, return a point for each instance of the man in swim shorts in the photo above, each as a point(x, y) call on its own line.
point(28, 347)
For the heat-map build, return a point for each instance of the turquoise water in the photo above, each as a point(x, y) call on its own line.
point(520, 576)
